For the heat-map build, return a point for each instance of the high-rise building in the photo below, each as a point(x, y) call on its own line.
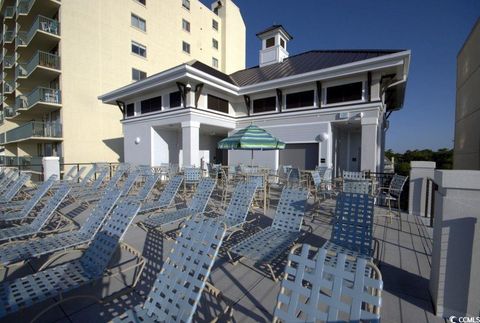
point(59, 56)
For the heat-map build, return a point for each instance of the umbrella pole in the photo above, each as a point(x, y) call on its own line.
point(251, 160)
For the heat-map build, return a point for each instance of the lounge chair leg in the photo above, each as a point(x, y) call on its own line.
point(272, 273)
point(232, 261)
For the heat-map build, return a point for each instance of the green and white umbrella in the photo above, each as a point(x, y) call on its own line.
point(251, 138)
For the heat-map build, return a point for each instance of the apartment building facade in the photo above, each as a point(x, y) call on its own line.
point(58, 56)
point(330, 107)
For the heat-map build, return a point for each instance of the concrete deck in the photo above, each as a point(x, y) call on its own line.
point(405, 247)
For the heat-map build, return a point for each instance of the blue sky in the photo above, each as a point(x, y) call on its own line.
point(434, 30)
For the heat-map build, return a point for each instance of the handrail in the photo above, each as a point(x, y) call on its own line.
point(41, 58)
point(40, 94)
point(34, 129)
point(42, 23)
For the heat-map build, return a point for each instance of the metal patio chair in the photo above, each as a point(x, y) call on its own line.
point(147, 186)
point(43, 216)
point(357, 186)
point(90, 196)
point(352, 230)
point(196, 206)
point(24, 292)
point(235, 216)
point(176, 292)
point(21, 251)
point(191, 178)
point(8, 180)
point(166, 197)
point(18, 212)
point(90, 183)
point(317, 290)
point(393, 192)
point(14, 188)
point(267, 244)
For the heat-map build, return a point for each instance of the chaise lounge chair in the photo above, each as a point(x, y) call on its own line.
point(167, 196)
point(267, 244)
point(177, 290)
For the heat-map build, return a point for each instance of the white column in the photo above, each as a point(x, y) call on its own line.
point(454, 277)
point(369, 144)
point(190, 143)
point(51, 166)
point(419, 172)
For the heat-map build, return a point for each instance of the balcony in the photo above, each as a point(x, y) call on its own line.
point(30, 8)
point(9, 12)
point(8, 87)
point(43, 35)
point(24, 6)
point(37, 130)
point(2, 138)
point(42, 66)
point(10, 112)
point(9, 61)
point(8, 36)
point(38, 102)
point(2, 117)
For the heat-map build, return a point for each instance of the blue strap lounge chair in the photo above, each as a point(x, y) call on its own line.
point(39, 221)
point(357, 186)
point(148, 184)
point(8, 180)
point(352, 230)
point(236, 214)
point(28, 205)
point(267, 244)
point(95, 195)
point(167, 196)
point(314, 289)
point(55, 281)
point(13, 190)
point(196, 206)
point(21, 251)
point(177, 290)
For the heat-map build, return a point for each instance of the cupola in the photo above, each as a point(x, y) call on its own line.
point(274, 45)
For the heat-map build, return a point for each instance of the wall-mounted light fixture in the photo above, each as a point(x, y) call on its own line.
point(322, 137)
point(137, 140)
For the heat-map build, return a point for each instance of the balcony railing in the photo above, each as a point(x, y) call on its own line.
point(8, 87)
point(9, 61)
point(10, 12)
point(35, 129)
point(9, 36)
point(41, 23)
point(2, 138)
point(2, 117)
point(24, 6)
point(40, 59)
point(40, 94)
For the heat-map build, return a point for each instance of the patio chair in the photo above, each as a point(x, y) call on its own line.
point(53, 282)
point(267, 244)
point(393, 192)
point(18, 212)
point(14, 188)
point(7, 180)
point(235, 216)
point(179, 285)
point(192, 177)
point(167, 196)
point(353, 176)
point(90, 196)
point(148, 184)
point(316, 290)
point(22, 251)
point(352, 230)
point(293, 176)
point(357, 186)
point(196, 206)
point(89, 182)
point(39, 221)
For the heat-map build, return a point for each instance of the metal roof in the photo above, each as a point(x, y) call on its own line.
point(304, 63)
point(273, 28)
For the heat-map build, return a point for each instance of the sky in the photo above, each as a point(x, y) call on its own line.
point(434, 30)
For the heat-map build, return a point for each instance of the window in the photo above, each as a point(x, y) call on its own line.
point(282, 42)
point(214, 62)
point(175, 99)
point(300, 99)
point(139, 22)
point(186, 47)
point(142, 2)
point(151, 105)
point(265, 105)
point(138, 75)
point(186, 4)
point(217, 104)
point(185, 25)
point(214, 24)
point(215, 43)
point(139, 49)
point(130, 110)
point(270, 42)
point(344, 93)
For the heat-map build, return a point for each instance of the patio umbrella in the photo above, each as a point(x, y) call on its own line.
point(251, 138)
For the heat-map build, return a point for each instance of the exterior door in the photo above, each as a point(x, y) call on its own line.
point(303, 156)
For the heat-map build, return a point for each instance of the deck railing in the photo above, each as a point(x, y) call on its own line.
point(40, 94)
point(41, 23)
point(24, 6)
point(9, 61)
point(10, 112)
point(8, 87)
point(9, 36)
